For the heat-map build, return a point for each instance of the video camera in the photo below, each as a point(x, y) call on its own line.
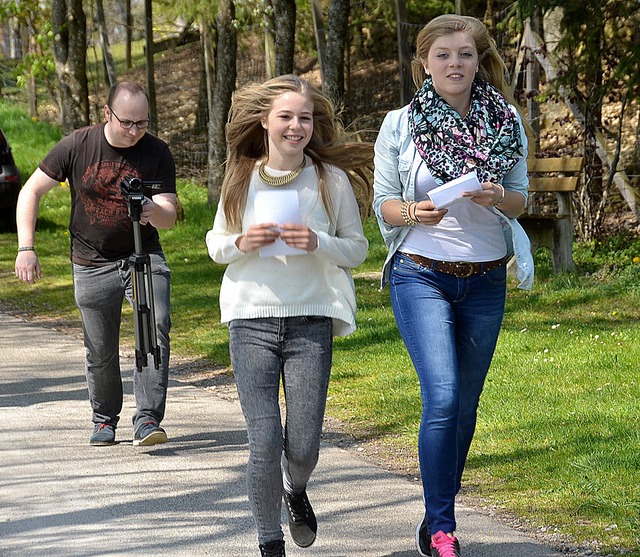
point(131, 188)
point(131, 191)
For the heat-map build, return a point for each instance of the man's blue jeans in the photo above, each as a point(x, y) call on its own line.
point(450, 327)
point(99, 293)
point(298, 349)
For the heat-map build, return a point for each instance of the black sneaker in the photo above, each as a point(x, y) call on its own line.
point(103, 434)
point(149, 433)
point(423, 539)
point(302, 520)
point(272, 549)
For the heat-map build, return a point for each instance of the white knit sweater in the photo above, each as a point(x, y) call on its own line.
point(317, 283)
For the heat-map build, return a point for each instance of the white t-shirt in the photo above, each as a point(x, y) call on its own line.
point(468, 232)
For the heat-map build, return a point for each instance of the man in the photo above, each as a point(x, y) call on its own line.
point(95, 160)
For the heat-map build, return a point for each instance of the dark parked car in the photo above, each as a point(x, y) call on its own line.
point(10, 185)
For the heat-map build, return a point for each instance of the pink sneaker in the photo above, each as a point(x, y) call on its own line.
point(443, 545)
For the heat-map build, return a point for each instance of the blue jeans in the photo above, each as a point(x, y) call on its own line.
point(99, 293)
point(299, 350)
point(450, 327)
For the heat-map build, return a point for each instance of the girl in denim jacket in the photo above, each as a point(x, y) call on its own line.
point(446, 267)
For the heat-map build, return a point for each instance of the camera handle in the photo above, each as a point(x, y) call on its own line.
point(144, 316)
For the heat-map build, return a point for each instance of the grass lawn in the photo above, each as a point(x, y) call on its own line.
point(558, 438)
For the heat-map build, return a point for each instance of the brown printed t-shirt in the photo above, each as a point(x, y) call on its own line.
point(100, 226)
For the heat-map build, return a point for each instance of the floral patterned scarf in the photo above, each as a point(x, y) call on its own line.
point(487, 140)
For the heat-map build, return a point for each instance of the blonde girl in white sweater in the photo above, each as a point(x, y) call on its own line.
point(288, 228)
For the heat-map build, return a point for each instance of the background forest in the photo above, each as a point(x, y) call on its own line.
point(574, 64)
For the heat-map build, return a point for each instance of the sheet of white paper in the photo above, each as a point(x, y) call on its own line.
point(281, 207)
point(452, 191)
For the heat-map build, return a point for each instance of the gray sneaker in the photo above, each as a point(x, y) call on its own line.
point(302, 520)
point(149, 433)
point(103, 434)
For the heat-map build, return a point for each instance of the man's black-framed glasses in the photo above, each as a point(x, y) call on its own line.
point(128, 124)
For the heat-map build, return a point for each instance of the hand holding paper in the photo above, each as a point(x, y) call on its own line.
point(452, 191)
point(281, 207)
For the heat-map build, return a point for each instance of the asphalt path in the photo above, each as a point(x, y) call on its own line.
point(61, 497)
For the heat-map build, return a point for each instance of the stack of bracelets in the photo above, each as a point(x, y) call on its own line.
point(405, 213)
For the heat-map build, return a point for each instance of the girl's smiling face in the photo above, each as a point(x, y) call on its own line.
point(289, 127)
point(452, 62)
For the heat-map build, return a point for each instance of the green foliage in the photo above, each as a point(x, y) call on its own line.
point(198, 10)
point(248, 12)
point(597, 35)
point(195, 280)
point(95, 61)
point(421, 12)
point(29, 139)
point(35, 18)
point(609, 255)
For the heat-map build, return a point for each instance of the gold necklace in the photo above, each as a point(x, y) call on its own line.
point(280, 180)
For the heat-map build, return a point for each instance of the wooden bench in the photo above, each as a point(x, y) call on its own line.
point(548, 220)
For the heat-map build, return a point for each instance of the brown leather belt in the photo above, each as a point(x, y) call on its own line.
point(458, 269)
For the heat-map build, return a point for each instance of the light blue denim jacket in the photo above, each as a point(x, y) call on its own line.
point(396, 161)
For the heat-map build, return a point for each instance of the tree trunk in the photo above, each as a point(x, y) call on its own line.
point(404, 54)
point(533, 86)
point(269, 40)
point(488, 16)
point(209, 40)
point(595, 191)
point(128, 28)
point(110, 67)
point(285, 18)
point(321, 41)
point(207, 68)
point(333, 78)
point(151, 78)
point(29, 46)
point(70, 54)
point(225, 85)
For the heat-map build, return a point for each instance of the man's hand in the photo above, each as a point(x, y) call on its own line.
point(160, 211)
point(146, 211)
point(28, 267)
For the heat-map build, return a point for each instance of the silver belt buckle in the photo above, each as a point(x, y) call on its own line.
point(461, 265)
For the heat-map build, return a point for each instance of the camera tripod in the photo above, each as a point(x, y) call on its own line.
point(144, 316)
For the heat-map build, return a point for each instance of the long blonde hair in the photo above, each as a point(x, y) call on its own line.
point(491, 66)
point(247, 143)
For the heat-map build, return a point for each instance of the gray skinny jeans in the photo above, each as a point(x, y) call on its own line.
point(298, 349)
point(99, 293)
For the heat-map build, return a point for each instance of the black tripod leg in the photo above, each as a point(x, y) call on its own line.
point(154, 350)
point(143, 305)
point(143, 310)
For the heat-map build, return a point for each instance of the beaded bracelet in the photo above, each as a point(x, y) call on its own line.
point(501, 197)
point(404, 213)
